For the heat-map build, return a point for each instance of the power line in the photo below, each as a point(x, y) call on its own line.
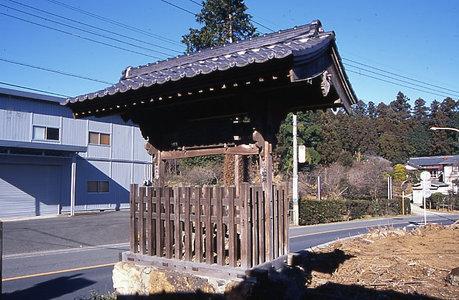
point(79, 36)
point(114, 22)
point(393, 78)
point(53, 71)
point(95, 27)
point(32, 89)
point(395, 83)
point(402, 76)
point(85, 31)
point(179, 7)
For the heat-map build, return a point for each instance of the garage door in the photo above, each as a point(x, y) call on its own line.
point(29, 190)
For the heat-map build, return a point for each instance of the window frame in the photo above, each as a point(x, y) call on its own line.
point(45, 135)
point(99, 139)
point(98, 186)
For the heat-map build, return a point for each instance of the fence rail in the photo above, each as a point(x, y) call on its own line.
point(210, 225)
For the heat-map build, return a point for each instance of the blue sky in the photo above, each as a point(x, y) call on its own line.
point(418, 39)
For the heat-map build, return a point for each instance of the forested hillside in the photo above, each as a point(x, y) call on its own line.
point(394, 131)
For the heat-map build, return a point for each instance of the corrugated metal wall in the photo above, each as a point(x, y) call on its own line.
point(32, 187)
point(123, 162)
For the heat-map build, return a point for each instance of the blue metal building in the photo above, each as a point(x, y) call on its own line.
point(52, 163)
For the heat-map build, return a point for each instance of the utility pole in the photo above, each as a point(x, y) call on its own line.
point(295, 174)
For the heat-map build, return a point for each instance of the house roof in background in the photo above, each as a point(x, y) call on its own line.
point(434, 160)
point(30, 96)
point(307, 40)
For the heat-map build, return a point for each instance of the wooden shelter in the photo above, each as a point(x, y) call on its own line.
point(224, 100)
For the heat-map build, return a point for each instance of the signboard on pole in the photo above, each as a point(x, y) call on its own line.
point(302, 154)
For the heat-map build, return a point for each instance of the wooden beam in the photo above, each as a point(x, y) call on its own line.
point(236, 150)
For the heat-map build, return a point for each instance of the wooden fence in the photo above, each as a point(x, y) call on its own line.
point(210, 225)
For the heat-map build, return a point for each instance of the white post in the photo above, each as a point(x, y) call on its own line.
point(425, 208)
point(295, 174)
point(73, 186)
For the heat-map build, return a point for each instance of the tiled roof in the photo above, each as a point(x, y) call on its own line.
point(307, 39)
point(434, 160)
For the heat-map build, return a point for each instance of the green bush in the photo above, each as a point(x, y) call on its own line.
point(325, 211)
point(357, 208)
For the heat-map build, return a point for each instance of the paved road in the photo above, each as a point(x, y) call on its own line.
point(66, 272)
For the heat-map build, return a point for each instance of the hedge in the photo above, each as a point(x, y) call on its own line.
point(325, 211)
point(438, 200)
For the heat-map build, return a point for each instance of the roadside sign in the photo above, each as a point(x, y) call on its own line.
point(425, 176)
point(302, 154)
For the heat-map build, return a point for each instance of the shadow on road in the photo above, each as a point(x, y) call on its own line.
point(51, 289)
point(292, 283)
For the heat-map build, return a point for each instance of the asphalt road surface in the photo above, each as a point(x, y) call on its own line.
point(64, 258)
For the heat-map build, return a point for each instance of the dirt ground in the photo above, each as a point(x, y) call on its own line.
point(390, 264)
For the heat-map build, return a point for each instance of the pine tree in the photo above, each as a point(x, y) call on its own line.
point(420, 110)
point(371, 109)
point(223, 21)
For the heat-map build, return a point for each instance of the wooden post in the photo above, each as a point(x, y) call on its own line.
point(150, 230)
point(177, 227)
point(267, 184)
point(208, 225)
point(246, 225)
point(220, 232)
point(198, 227)
point(142, 228)
point(237, 173)
point(159, 169)
point(187, 209)
point(159, 230)
point(167, 222)
point(134, 240)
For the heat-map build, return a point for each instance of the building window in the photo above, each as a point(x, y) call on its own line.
point(98, 138)
point(42, 133)
point(97, 186)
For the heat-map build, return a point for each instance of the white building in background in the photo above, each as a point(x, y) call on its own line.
point(443, 169)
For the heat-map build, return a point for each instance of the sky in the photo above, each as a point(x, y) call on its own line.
point(415, 39)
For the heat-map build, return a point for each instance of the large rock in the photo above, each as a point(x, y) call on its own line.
point(131, 279)
point(453, 277)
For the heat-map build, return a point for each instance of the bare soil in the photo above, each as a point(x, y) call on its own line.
point(391, 264)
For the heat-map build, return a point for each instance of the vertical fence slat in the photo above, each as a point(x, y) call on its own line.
point(261, 225)
point(159, 231)
point(286, 218)
point(167, 222)
point(177, 227)
point(281, 216)
point(149, 217)
point(275, 222)
point(142, 228)
point(209, 227)
point(220, 233)
point(133, 229)
point(198, 227)
point(187, 204)
point(246, 224)
point(255, 225)
point(231, 227)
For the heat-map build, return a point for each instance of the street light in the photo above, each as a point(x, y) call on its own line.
point(444, 128)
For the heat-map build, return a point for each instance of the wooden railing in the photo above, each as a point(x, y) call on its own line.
point(210, 225)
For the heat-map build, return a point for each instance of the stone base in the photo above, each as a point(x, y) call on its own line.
point(132, 279)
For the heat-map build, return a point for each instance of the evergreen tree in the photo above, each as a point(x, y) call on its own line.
point(223, 21)
point(371, 110)
point(420, 111)
point(401, 106)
